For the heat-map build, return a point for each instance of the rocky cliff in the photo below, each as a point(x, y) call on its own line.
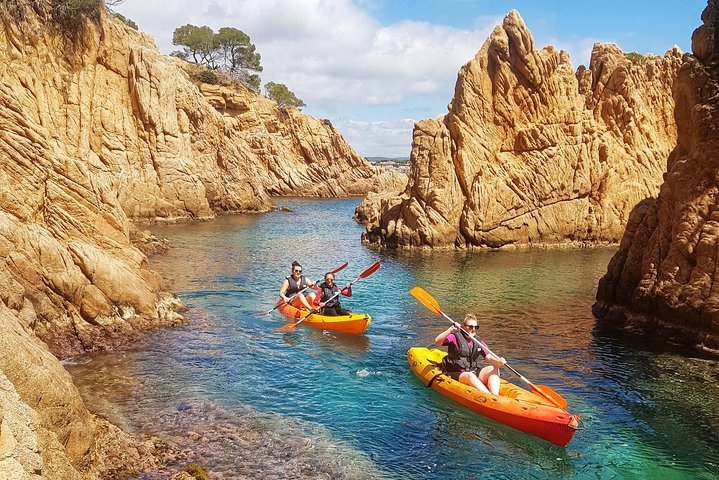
point(661, 281)
point(99, 132)
point(532, 152)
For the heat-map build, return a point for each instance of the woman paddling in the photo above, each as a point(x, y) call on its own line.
point(328, 290)
point(295, 283)
point(462, 355)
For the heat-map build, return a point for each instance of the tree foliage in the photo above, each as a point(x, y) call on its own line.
point(282, 95)
point(198, 43)
point(238, 53)
point(635, 57)
point(126, 21)
point(229, 50)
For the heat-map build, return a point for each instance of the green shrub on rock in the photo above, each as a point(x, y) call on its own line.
point(197, 471)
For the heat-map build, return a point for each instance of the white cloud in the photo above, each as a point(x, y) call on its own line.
point(334, 56)
point(381, 138)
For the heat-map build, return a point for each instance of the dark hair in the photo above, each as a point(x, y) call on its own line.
point(296, 264)
point(329, 273)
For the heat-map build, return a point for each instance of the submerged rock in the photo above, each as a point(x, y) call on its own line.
point(533, 152)
point(661, 281)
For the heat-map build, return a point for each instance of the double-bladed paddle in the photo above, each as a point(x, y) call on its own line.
point(373, 268)
point(433, 306)
point(282, 302)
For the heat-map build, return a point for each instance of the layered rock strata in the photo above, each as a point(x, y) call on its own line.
point(662, 280)
point(532, 152)
point(99, 132)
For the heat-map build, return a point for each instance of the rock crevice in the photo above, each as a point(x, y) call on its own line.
point(532, 152)
point(662, 279)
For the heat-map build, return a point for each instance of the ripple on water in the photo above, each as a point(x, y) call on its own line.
point(253, 402)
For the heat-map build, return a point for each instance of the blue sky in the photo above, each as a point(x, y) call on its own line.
point(375, 67)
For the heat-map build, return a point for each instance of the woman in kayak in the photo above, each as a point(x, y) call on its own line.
point(463, 353)
point(327, 298)
point(295, 283)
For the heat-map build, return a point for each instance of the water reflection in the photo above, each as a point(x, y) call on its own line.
point(326, 342)
point(660, 396)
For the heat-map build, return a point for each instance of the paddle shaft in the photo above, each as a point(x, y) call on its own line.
point(331, 298)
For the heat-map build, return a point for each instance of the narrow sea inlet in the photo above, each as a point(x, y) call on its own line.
point(251, 402)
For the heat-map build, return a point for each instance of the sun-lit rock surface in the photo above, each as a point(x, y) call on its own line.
point(99, 132)
point(532, 152)
point(389, 186)
point(663, 277)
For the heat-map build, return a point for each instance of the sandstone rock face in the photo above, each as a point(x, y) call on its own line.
point(389, 186)
point(46, 431)
point(661, 281)
point(532, 152)
point(298, 155)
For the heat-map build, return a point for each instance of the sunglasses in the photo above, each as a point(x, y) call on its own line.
point(470, 326)
point(298, 271)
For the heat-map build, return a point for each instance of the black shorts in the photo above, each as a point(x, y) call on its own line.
point(334, 311)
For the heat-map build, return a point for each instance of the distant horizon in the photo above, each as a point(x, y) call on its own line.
point(403, 159)
point(376, 67)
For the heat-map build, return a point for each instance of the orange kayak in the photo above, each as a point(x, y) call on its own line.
point(355, 323)
point(514, 406)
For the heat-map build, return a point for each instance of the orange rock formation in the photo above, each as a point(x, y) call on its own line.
point(532, 152)
point(661, 281)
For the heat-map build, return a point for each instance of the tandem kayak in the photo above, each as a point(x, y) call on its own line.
point(355, 323)
point(514, 406)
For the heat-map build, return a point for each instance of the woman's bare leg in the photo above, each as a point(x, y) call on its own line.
point(469, 378)
point(489, 375)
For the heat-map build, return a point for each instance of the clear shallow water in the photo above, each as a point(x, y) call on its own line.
point(251, 402)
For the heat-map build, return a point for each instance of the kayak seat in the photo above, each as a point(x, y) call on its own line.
point(435, 356)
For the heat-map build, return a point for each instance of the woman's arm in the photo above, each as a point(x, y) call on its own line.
point(492, 358)
point(439, 339)
point(283, 289)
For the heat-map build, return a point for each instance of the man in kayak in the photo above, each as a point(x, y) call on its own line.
point(327, 298)
point(295, 283)
point(462, 354)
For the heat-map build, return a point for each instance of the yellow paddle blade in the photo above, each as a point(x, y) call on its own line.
point(287, 327)
point(426, 300)
point(556, 398)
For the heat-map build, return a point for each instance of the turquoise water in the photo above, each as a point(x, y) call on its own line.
point(252, 402)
